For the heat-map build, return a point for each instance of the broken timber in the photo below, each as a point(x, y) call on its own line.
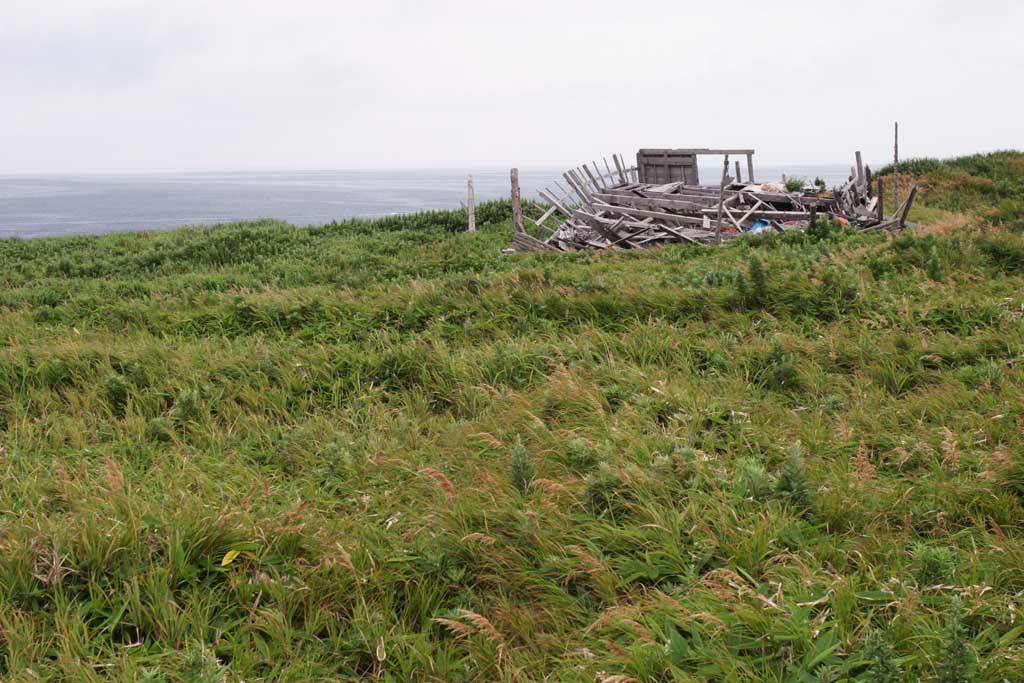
point(661, 201)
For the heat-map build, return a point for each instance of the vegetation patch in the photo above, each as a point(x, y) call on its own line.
point(380, 450)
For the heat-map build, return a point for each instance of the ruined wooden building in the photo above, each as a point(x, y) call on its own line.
point(661, 200)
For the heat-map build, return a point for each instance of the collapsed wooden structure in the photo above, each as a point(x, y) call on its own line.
point(660, 200)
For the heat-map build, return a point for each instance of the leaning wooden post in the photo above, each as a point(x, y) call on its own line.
point(721, 199)
point(896, 167)
point(517, 207)
point(906, 206)
point(860, 170)
point(738, 176)
point(470, 205)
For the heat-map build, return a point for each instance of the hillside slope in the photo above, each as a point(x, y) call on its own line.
point(385, 452)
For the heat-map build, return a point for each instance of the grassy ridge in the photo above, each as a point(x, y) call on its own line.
point(381, 451)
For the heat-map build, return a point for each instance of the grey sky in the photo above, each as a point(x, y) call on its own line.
point(140, 85)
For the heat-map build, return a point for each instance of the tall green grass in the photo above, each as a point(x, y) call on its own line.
point(383, 451)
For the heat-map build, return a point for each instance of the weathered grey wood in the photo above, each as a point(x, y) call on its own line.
point(608, 208)
point(738, 177)
point(879, 209)
point(783, 215)
point(861, 180)
point(651, 203)
point(620, 167)
point(566, 194)
point(593, 181)
point(517, 207)
point(470, 205)
point(906, 206)
point(583, 196)
point(524, 242)
point(721, 199)
point(749, 213)
point(546, 215)
point(600, 177)
point(750, 167)
point(896, 164)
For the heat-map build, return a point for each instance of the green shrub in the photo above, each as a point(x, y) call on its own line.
point(520, 468)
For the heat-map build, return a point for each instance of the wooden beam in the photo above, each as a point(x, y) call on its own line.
point(784, 215)
point(517, 207)
point(750, 167)
point(609, 208)
point(653, 203)
point(906, 206)
point(721, 199)
point(620, 167)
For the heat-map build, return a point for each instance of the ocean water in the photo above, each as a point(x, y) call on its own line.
point(38, 206)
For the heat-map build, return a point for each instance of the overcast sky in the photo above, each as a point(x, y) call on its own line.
point(140, 85)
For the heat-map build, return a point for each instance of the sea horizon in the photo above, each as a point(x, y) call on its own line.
point(44, 205)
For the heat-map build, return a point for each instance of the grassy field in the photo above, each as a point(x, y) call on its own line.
point(385, 452)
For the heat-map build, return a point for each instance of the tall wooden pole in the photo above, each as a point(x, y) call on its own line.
point(738, 176)
point(721, 199)
point(881, 207)
point(470, 204)
point(517, 207)
point(896, 166)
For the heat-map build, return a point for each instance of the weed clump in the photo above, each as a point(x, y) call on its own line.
point(117, 388)
point(934, 564)
point(778, 370)
point(520, 468)
point(957, 660)
point(882, 664)
point(791, 485)
point(159, 429)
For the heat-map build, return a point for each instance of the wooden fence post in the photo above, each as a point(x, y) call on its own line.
point(470, 204)
point(750, 168)
point(721, 199)
point(880, 209)
point(896, 166)
point(738, 171)
point(517, 207)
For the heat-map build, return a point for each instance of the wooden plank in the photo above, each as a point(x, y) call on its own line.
point(584, 198)
point(896, 165)
point(593, 181)
point(906, 206)
point(721, 199)
point(470, 205)
point(750, 167)
point(608, 208)
point(524, 242)
point(517, 208)
point(546, 215)
point(783, 215)
point(861, 180)
point(738, 171)
point(621, 168)
point(652, 203)
point(610, 176)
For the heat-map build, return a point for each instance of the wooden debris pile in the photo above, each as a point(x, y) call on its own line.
point(660, 200)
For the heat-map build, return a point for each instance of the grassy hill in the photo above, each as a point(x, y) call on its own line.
point(383, 451)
